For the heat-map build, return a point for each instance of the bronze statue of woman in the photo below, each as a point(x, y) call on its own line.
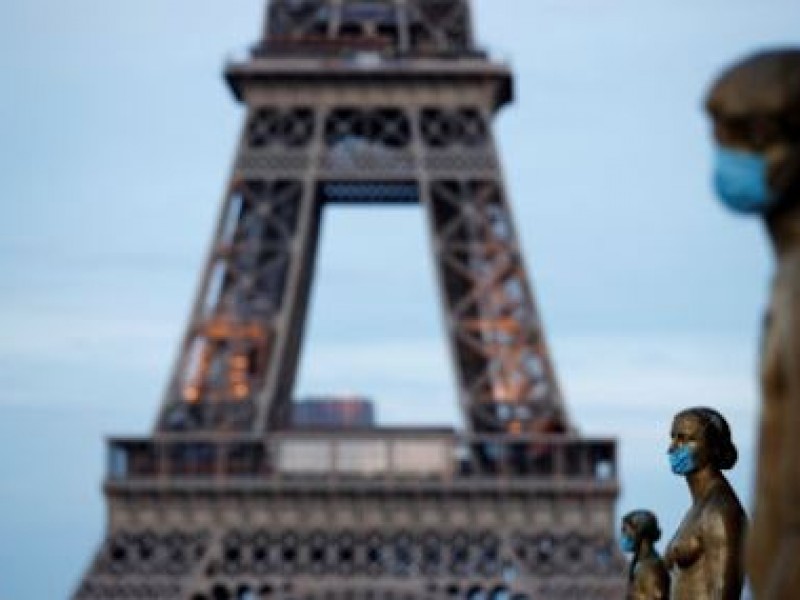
point(648, 578)
point(705, 556)
point(755, 108)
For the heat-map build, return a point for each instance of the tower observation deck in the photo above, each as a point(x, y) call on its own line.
point(372, 103)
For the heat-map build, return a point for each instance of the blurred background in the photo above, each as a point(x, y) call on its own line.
point(116, 138)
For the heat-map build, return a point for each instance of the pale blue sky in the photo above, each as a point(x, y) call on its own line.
point(116, 137)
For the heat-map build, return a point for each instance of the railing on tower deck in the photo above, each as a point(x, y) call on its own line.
point(327, 47)
point(368, 454)
point(320, 44)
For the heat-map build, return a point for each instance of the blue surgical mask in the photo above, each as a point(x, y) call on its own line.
point(740, 180)
point(627, 543)
point(682, 460)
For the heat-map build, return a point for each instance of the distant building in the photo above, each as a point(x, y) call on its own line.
point(333, 412)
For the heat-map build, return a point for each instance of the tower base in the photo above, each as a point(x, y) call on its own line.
point(215, 531)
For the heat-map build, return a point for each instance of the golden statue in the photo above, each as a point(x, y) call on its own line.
point(755, 107)
point(648, 578)
point(705, 556)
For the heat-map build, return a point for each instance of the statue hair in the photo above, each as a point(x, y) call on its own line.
point(644, 523)
point(718, 436)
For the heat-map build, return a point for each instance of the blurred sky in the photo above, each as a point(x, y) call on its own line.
point(116, 139)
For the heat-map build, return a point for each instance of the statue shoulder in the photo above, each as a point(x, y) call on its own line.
point(652, 566)
point(723, 515)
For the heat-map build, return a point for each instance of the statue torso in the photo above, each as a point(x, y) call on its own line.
point(650, 580)
point(779, 338)
point(696, 574)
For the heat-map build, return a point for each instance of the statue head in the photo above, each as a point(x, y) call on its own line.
point(701, 437)
point(639, 525)
point(755, 108)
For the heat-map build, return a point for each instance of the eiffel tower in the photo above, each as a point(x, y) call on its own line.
point(371, 103)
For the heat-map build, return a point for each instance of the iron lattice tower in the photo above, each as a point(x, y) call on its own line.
point(373, 102)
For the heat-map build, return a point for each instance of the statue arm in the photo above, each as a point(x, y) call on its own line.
point(791, 367)
point(784, 580)
point(724, 554)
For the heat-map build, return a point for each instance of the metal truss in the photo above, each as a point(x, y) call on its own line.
point(265, 563)
point(401, 27)
point(508, 381)
point(448, 128)
point(352, 553)
point(256, 283)
point(272, 127)
point(388, 127)
point(231, 338)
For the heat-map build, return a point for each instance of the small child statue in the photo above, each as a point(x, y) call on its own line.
point(647, 578)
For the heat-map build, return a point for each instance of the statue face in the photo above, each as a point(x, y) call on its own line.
point(628, 530)
point(629, 538)
point(749, 133)
point(688, 434)
point(754, 107)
